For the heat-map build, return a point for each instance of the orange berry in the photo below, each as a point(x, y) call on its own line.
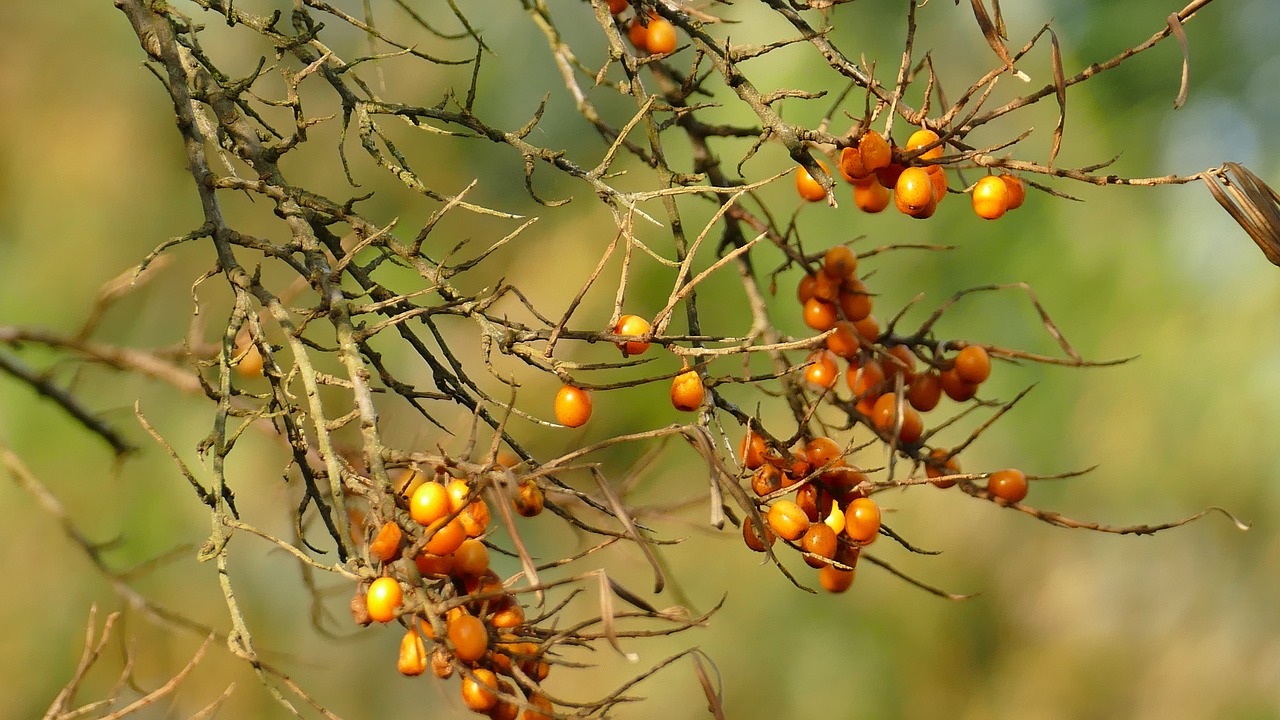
point(572, 406)
point(804, 290)
point(855, 301)
point(638, 34)
point(475, 518)
point(661, 36)
point(955, 387)
point(767, 479)
point(852, 167)
point(914, 193)
point(973, 364)
point(809, 188)
point(868, 328)
point(840, 262)
point(1017, 191)
point(471, 558)
point(687, 392)
point(822, 450)
point(884, 417)
point(835, 580)
point(540, 708)
point(826, 287)
point(631, 325)
point(936, 467)
point(383, 599)
point(866, 380)
point(445, 536)
point(250, 363)
point(413, 654)
point(889, 174)
point(386, 545)
point(469, 637)
point(479, 691)
point(875, 150)
point(871, 197)
point(862, 520)
point(508, 617)
point(820, 315)
point(822, 371)
point(429, 564)
point(990, 197)
point(458, 491)
point(819, 540)
point(925, 391)
point(844, 341)
point(617, 6)
point(1008, 485)
point(529, 499)
point(752, 537)
point(752, 450)
point(788, 520)
point(921, 138)
point(429, 503)
point(938, 177)
point(900, 361)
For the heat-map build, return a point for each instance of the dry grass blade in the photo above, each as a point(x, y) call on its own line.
point(1060, 89)
point(1253, 204)
point(607, 617)
point(715, 703)
point(1175, 26)
point(624, 516)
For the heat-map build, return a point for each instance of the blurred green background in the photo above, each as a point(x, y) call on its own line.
point(1068, 624)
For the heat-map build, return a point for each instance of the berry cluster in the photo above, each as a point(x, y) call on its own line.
point(476, 626)
point(918, 183)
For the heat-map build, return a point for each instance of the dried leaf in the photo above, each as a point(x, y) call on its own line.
point(715, 703)
point(1253, 204)
point(620, 511)
point(1175, 26)
point(993, 33)
point(1060, 85)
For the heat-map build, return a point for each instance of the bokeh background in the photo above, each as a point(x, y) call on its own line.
point(1067, 623)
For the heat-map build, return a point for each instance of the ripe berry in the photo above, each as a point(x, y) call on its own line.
point(475, 518)
point(1008, 485)
point(471, 559)
point(638, 34)
point(844, 341)
point(819, 540)
point(822, 450)
point(809, 188)
point(631, 325)
point(820, 315)
point(383, 599)
point(1017, 191)
point(883, 416)
point(851, 166)
point(866, 380)
point(921, 138)
point(250, 364)
point(617, 6)
point(822, 371)
point(868, 328)
point(834, 580)
point(788, 520)
point(889, 174)
point(469, 637)
point(804, 290)
point(429, 503)
point(840, 262)
point(862, 520)
point(936, 467)
point(661, 37)
point(386, 545)
point(990, 197)
point(925, 391)
point(445, 536)
point(871, 197)
point(540, 708)
point(938, 177)
point(752, 450)
point(914, 194)
point(875, 150)
point(573, 406)
point(973, 364)
point(687, 391)
point(855, 301)
point(900, 361)
point(413, 654)
point(752, 537)
point(956, 388)
point(479, 691)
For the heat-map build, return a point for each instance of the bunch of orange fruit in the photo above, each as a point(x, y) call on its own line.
point(810, 496)
point(911, 176)
point(479, 628)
